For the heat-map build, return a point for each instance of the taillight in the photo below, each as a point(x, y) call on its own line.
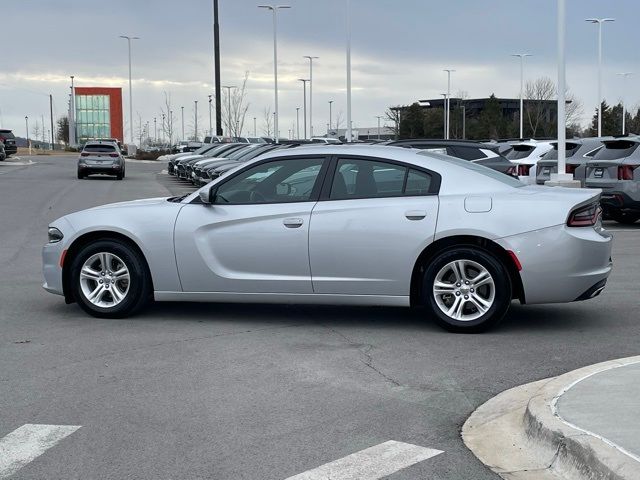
point(570, 168)
point(84, 154)
point(511, 171)
point(585, 216)
point(523, 170)
point(115, 155)
point(625, 172)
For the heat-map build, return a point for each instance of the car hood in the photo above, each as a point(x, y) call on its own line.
point(131, 203)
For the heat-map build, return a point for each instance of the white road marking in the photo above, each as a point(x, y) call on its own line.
point(28, 442)
point(371, 463)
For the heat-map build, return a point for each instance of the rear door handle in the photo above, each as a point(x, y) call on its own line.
point(415, 214)
point(292, 222)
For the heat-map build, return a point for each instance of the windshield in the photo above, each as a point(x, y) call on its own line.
point(99, 148)
point(7, 135)
point(481, 169)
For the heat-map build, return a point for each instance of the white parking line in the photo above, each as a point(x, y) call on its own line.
point(371, 463)
point(28, 442)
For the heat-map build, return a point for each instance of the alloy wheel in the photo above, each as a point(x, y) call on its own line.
point(104, 279)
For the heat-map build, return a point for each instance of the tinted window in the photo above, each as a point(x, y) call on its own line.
point(615, 150)
point(418, 183)
point(367, 179)
point(468, 153)
point(279, 181)
point(99, 148)
point(7, 135)
point(593, 152)
point(571, 149)
point(520, 151)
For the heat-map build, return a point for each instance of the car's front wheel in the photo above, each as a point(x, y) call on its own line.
point(109, 279)
point(466, 289)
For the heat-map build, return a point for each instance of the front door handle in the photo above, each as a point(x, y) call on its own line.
point(415, 214)
point(292, 222)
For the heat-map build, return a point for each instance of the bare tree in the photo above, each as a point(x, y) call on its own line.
point(339, 120)
point(235, 118)
point(36, 130)
point(393, 115)
point(268, 122)
point(168, 118)
point(537, 92)
point(574, 109)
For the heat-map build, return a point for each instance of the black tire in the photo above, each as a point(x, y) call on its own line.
point(139, 292)
point(120, 176)
point(502, 295)
point(625, 218)
point(80, 175)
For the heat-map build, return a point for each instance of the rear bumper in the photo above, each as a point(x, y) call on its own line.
point(104, 169)
point(560, 264)
point(10, 149)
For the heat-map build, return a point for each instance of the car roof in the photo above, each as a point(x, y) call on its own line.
point(436, 141)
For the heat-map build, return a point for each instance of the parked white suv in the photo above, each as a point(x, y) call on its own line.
point(525, 156)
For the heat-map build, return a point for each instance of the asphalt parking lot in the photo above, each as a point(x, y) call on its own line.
point(195, 391)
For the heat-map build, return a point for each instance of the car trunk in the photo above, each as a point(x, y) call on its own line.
point(603, 170)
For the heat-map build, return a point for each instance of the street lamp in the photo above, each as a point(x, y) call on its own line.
point(447, 100)
point(624, 76)
point(72, 120)
point(330, 102)
point(195, 133)
point(26, 121)
point(255, 127)
point(182, 116)
point(521, 56)
point(229, 87)
point(378, 117)
point(599, 22)
point(304, 108)
point(155, 131)
point(164, 130)
point(274, 9)
point(310, 93)
point(297, 123)
point(210, 125)
point(348, 14)
point(444, 111)
point(130, 89)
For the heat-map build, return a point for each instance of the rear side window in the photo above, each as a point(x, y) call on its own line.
point(593, 152)
point(104, 148)
point(615, 150)
point(520, 151)
point(468, 153)
point(356, 178)
point(571, 149)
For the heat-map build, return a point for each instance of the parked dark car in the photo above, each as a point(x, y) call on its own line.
point(476, 152)
point(3, 155)
point(8, 139)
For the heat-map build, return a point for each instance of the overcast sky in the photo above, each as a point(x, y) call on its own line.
point(399, 48)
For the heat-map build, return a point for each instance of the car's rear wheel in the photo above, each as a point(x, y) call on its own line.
point(624, 217)
point(466, 289)
point(109, 279)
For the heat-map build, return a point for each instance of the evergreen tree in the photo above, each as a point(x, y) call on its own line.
point(412, 122)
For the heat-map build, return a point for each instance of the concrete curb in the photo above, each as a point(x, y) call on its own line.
point(520, 435)
point(17, 161)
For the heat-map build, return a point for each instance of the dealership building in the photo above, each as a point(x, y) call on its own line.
point(97, 113)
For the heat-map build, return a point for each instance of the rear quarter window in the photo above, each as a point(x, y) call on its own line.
point(520, 151)
point(616, 150)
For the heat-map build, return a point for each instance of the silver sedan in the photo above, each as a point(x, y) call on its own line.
point(366, 225)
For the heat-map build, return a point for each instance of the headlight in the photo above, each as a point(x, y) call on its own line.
point(55, 235)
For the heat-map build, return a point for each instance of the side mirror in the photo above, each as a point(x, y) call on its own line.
point(206, 196)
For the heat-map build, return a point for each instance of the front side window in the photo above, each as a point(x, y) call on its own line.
point(279, 181)
point(355, 178)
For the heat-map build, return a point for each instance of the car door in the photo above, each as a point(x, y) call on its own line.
point(254, 236)
point(372, 222)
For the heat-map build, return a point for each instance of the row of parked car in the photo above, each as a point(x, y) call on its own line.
point(608, 163)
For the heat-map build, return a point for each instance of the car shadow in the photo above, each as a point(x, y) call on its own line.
point(520, 318)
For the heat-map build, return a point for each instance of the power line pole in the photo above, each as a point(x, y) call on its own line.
point(51, 115)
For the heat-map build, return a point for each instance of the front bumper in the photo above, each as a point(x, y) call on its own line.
point(560, 264)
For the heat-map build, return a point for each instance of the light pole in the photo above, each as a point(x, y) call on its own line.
point(182, 116)
point(348, 13)
point(599, 22)
point(310, 93)
point(72, 120)
point(130, 88)
point(444, 111)
point(195, 134)
point(447, 100)
point(304, 105)
point(378, 117)
point(464, 122)
point(297, 123)
point(155, 130)
point(561, 176)
point(255, 127)
point(330, 102)
point(26, 121)
point(229, 87)
point(624, 76)
point(170, 127)
point(164, 130)
point(216, 66)
point(210, 125)
point(521, 56)
point(274, 9)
